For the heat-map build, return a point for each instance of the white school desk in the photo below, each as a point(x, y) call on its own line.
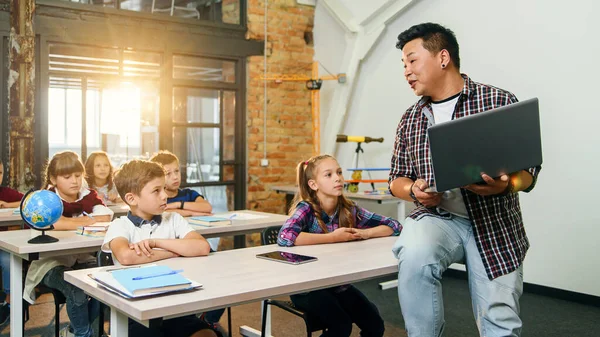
point(7, 218)
point(403, 207)
point(238, 277)
point(15, 243)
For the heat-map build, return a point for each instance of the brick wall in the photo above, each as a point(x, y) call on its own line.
point(289, 119)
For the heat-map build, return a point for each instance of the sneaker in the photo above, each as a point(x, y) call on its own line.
point(219, 328)
point(4, 313)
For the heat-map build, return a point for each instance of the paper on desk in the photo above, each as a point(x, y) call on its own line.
point(241, 216)
point(98, 227)
point(9, 211)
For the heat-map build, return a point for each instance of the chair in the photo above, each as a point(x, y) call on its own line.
point(268, 237)
point(59, 299)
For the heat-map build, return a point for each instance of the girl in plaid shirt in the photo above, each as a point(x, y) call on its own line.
point(321, 214)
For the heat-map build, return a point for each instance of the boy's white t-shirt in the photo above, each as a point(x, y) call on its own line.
point(38, 268)
point(172, 226)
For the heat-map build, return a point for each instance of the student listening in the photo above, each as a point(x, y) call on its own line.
point(184, 201)
point(81, 207)
point(322, 214)
point(148, 234)
point(100, 177)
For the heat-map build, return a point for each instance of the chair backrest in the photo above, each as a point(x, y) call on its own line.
point(269, 235)
point(104, 259)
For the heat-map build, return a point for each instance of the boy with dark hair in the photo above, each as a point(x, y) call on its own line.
point(148, 233)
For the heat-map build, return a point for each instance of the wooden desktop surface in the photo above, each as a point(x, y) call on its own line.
point(7, 218)
point(69, 242)
point(236, 276)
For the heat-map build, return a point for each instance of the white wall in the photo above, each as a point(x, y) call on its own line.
point(544, 49)
point(333, 36)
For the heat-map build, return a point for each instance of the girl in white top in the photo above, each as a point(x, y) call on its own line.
point(100, 177)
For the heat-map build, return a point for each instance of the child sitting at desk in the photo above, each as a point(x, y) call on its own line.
point(184, 201)
point(9, 198)
point(81, 207)
point(321, 214)
point(100, 177)
point(148, 234)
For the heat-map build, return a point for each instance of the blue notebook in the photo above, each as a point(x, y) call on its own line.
point(150, 282)
point(209, 221)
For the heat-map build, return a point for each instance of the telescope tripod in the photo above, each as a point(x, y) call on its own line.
point(357, 175)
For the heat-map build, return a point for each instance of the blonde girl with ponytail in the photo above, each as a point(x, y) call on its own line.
point(322, 214)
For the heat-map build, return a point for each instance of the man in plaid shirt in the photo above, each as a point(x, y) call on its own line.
point(479, 225)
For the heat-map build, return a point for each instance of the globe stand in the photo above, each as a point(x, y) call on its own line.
point(43, 239)
point(40, 239)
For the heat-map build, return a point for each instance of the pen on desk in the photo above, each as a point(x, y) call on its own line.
point(232, 216)
point(137, 278)
point(88, 215)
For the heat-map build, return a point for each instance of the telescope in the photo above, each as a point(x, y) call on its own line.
point(357, 139)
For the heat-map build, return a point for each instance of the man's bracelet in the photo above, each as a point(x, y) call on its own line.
point(412, 194)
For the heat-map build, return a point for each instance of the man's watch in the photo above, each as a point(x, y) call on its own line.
point(412, 194)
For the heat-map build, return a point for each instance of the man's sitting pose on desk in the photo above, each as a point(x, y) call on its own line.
point(149, 234)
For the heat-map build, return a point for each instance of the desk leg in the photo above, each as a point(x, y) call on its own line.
point(401, 217)
point(119, 323)
point(401, 211)
point(251, 332)
point(16, 289)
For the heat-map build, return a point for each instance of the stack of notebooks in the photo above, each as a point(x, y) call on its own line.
point(143, 281)
point(96, 230)
point(209, 221)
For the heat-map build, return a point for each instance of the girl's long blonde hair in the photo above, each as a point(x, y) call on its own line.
point(306, 171)
point(89, 169)
point(62, 163)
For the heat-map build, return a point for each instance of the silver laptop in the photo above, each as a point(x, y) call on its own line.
point(498, 141)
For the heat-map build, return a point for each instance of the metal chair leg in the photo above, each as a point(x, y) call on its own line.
point(229, 321)
point(56, 319)
point(264, 318)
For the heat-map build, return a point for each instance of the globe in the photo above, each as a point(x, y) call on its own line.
point(40, 210)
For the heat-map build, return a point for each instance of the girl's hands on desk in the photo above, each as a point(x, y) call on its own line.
point(344, 234)
point(362, 234)
point(113, 196)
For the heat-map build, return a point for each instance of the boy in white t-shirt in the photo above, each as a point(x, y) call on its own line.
point(149, 234)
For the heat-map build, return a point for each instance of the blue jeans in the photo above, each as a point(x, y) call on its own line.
point(5, 265)
point(425, 249)
point(80, 309)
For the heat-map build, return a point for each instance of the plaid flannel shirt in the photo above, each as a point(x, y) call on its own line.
point(497, 221)
point(304, 220)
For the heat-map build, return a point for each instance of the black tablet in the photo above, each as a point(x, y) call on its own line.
point(286, 257)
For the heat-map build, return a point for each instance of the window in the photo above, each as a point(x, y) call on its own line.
point(225, 11)
point(103, 99)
